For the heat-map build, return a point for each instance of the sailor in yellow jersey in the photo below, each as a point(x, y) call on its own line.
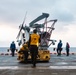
point(25, 49)
point(34, 41)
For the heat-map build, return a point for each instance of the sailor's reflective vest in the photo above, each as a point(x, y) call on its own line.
point(34, 39)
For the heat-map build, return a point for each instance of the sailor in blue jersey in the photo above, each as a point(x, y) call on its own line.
point(12, 48)
point(59, 48)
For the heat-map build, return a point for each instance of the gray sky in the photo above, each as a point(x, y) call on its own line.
point(12, 13)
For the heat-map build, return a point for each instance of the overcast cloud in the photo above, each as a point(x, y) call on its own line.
point(12, 13)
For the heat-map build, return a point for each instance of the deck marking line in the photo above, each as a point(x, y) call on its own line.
point(29, 67)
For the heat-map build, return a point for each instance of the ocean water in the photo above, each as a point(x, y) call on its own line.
point(5, 50)
point(71, 50)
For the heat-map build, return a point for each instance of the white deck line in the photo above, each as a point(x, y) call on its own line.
point(29, 68)
point(62, 67)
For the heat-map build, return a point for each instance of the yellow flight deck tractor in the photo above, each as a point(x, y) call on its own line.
point(43, 55)
point(44, 30)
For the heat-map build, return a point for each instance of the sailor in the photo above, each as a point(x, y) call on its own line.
point(12, 48)
point(59, 48)
point(34, 41)
point(25, 49)
point(67, 48)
